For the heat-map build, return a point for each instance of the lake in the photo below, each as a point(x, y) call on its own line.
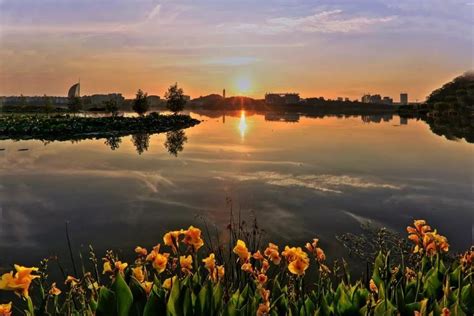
point(301, 177)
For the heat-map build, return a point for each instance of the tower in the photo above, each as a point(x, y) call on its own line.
point(404, 98)
point(223, 94)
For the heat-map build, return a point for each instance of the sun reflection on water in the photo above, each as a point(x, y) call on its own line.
point(242, 124)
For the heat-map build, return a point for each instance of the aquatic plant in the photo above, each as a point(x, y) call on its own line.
point(180, 277)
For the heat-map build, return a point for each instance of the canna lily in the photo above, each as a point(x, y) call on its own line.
point(434, 243)
point(107, 267)
point(20, 281)
point(315, 250)
point(171, 239)
point(160, 261)
point(241, 250)
point(299, 266)
point(138, 274)
point(192, 238)
point(262, 279)
point(263, 310)
point(373, 287)
point(6, 309)
point(247, 267)
point(186, 263)
point(141, 251)
point(121, 266)
point(220, 271)
point(168, 283)
point(272, 253)
point(445, 312)
point(147, 286)
point(210, 263)
point(71, 280)
point(54, 290)
point(257, 255)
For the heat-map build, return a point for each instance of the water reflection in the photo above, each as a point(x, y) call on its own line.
point(242, 124)
point(141, 141)
point(113, 142)
point(175, 142)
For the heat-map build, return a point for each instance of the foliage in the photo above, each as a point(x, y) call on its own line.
point(111, 106)
point(177, 278)
point(75, 104)
point(140, 104)
point(175, 141)
point(175, 99)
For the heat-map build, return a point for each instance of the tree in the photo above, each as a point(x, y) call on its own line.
point(48, 105)
point(75, 104)
point(175, 99)
point(141, 141)
point(140, 104)
point(111, 106)
point(175, 142)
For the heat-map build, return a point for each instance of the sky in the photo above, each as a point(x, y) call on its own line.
point(330, 48)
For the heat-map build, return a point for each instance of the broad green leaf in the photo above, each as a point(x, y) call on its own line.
point(156, 304)
point(123, 295)
point(384, 308)
point(107, 304)
point(467, 299)
point(174, 306)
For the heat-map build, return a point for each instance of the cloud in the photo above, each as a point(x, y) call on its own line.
point(154, 13)
point(331, 21)
point(323, 183)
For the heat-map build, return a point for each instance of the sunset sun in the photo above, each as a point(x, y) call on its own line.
point(243, 85)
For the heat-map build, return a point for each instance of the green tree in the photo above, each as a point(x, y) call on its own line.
point(48, 105)
point(75, 104)
point(140, 104)
point(111, 106)
point(175, 99)
point(175, 142)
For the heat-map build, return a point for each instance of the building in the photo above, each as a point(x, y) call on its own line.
point(403, 98)
point(340, 99)
point(187, 98)
point(74, 91)
point(223, 94)
point(99, 99)
point(367, 98)
point(153, 100)
point(387, 100)
point(282, 98)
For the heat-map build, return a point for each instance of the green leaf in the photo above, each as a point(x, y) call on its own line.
point(343, 303)
point(309, 307)
point(139, 298)
point(432, 285)
point(467, 299)
point(384, 308)
point(107, 304)
point(378, 266)
point(123, 295)
point(174, 306)
point(156, 304)
point(218, 294)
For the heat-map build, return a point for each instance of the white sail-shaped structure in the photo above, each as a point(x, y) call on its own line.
point(74, 91)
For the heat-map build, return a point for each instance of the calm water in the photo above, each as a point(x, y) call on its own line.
point(306, 178)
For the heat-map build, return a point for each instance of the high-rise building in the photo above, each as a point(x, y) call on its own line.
point(404, 98)
point(74, 91)
point(223, 94)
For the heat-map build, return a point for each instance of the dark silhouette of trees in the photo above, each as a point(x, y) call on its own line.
point(175, 99)
point(140, 104)
point(48, 105)
point(75, 104)
point(175, 142)
point(113, 142)
point(111, 107)
point(141, 141)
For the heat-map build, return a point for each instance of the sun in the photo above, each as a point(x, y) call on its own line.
point(243, 84)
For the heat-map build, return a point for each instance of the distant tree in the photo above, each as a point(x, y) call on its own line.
point(140, 104)
point(141, 142)
point(111, 107)
point(175, 142)
point(175, 99)
point(113, 142)
point(75, 104)
point(48, 105)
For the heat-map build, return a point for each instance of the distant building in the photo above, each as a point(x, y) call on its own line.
point(153, 100)
point(403, 98)
point(282, 98)
point(347, 100)
point(187, 98)
point(74, 91)
point(99, 99)
point(387, 100)
point(340, 99)
point(367, 98)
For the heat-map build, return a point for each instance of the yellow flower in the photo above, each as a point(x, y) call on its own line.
point(247, 267)
point(141, 251)
point(121, 266)
point(71, 280)
point(160, 261)
point(241, 250)
point(192, 237)
point(54, 290)
point(6, 309)
point(210, 263)
point(138, 273)
point(168, 283)
point(171, 239)
point(20, 281)
point(186, 263)
point(107, 267)
point(147, 286)
point(220, 271)
point(272, 253)
point(373, 286)
point(293, 253)
point(298, 266)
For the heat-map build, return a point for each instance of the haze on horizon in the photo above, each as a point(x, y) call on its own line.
point(325, 48)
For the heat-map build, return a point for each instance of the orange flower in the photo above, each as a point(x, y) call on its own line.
point(263, 310)
point(147, 286)
point(467, 259)
point(6, 309)
point(192, 237)
point(141, 251)
point(241, 250)
point(20, 281)
point(210, 263)
point(54, 290)
point(373, 287)
point(71, 280)
point(262, 278)
point(220, 272)
point(315, 250)
point(160, 261)
point(168, 283)
point(247, 267)
point(186, 263)
point(121, 266)
point(434, 243)
point(172, 239)
point(138, 273)
point(272, 253)
point(265, 266)
point(445, 312)
point(298, 266)
point(257, 255)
